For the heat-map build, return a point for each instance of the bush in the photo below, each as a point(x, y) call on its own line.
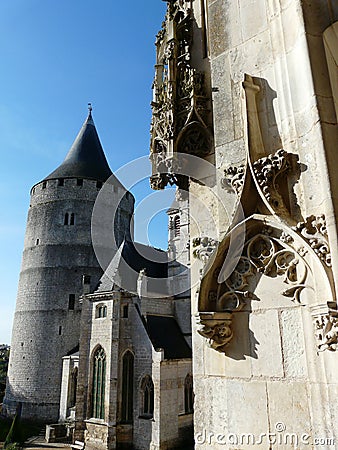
point(4, 357)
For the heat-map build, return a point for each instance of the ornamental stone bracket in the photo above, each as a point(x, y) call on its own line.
point(325, 320)
point(216, 327)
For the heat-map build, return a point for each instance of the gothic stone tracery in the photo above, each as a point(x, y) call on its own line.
point(181, 110)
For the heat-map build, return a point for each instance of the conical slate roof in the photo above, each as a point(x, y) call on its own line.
point(85, 158)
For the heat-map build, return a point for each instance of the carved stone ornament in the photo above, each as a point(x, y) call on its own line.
point(314, 231)
point(203, 248)
point(326, 327)
point(268, 257)
point(267, 251)
point(181, 113)
point(234, 179)
point(266, 171)
point(216, 327)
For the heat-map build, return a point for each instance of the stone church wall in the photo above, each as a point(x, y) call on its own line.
point(271, 378)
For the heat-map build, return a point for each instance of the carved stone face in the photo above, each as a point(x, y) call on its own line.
point(223, 331)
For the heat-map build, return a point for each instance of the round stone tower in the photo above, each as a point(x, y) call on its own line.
point(58, 258)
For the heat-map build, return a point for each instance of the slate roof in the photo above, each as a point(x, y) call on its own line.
point(129, 259)
point(85, 158)
point(140, 256)
point(165, 333)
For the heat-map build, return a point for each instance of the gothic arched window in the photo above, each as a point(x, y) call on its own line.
point(188, 394)
point(98, 388)
point(147, 397)
point(127, 387)
point(73, 387)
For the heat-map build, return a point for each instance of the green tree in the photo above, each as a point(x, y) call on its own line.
point(4, 357)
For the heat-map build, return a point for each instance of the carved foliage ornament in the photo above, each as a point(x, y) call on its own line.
point(203, 248)
point(326, 331)
point(267, 170)
point(314, 231)
point(234, 179)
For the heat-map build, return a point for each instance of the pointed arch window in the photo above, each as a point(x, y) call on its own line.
point(73, 387)
point(147, 397)
point(127, 387)
point(99, 382)
point(188, 394)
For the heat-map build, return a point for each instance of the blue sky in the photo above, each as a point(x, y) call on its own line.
point(55, 58)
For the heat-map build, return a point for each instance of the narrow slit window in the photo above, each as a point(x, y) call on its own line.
point(60, 182)
point(71, 302)
point(79, 182)
point(188, 394)
point(72, 219)
point(125, 312)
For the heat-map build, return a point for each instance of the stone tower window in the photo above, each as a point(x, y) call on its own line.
point(71, 302)
point(101, 311)
point(127, 387)
point(188, 394)
point(44, 184)
point(177, 225)
point(79, 182)
point(60, 182)
point(99, 382)
point(147, 397)
point(125, 312)
point(69, 219)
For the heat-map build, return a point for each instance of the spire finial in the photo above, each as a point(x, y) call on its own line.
point(90, 108)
